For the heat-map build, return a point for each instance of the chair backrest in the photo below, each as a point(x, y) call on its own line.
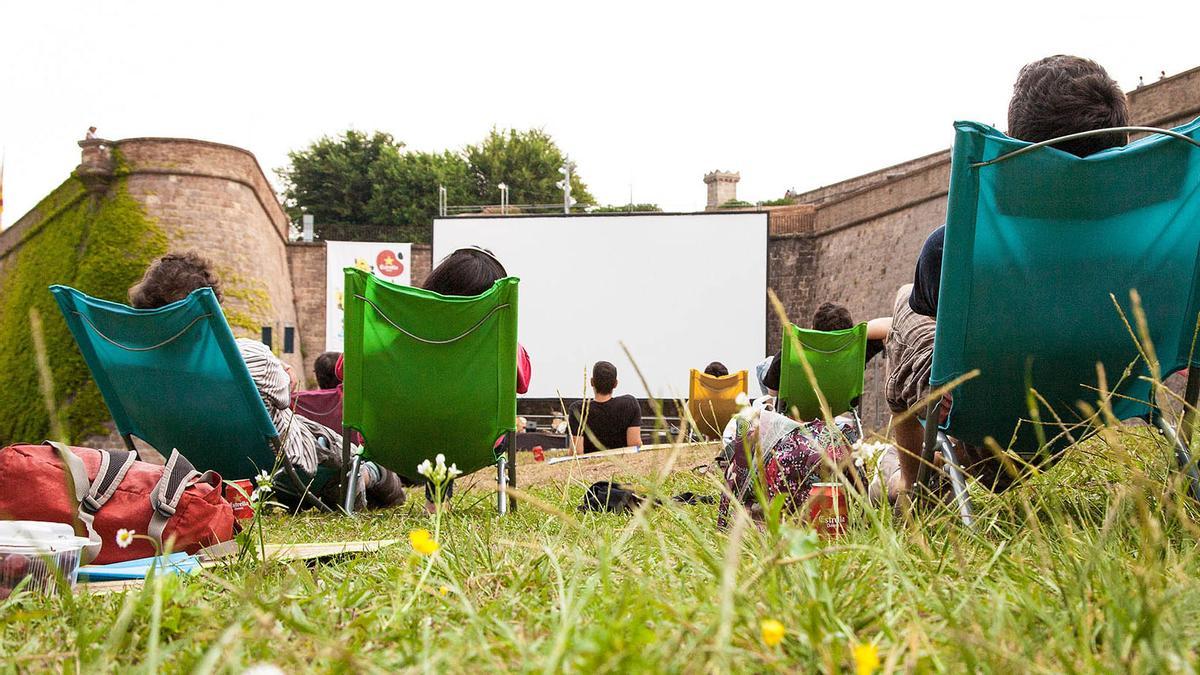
point(174, 377)
point(428, 374)
point(838, 360)
point(712, 400)
point(323, 406)
point(1037, 248)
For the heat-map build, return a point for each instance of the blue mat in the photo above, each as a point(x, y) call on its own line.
point(176, 563)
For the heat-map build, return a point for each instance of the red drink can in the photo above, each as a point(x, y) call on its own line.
point(827, 510)
point(242, 509)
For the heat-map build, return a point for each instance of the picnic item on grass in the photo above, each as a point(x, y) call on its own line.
point(109, 490)
point(826, 509)
point(176, 563)
point(38, 552)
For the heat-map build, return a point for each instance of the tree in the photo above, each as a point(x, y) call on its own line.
point(405, 189)
point(528, 162)
point(331, 179)
point(357, 179)
point(626, 208)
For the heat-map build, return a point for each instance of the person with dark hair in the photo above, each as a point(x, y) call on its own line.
point(325, 370)
point(830, 317)
point(467, 272)
point(606, 421)
point(1054, 96)
point(306, 444)
point(716, 369)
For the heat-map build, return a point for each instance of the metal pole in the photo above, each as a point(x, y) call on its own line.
point(566, 186)
point(442, 201)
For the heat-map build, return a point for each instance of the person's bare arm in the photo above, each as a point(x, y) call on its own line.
point(577, 443)
point(878, 329)
point(633, 437)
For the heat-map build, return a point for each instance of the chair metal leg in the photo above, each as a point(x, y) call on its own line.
point(1183, 456)
point(343, 479)
point(501, 484)
point(511, 451)
point(352, 484)
point(929, 446)
point(957, 480)
point(302, 488)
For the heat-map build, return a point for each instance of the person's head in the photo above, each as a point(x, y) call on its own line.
point(171, 278)
point(604, 377)
point(1061, 95)
point(466, 272)
point(716, 369)
point(326, 370)
point(832, 316)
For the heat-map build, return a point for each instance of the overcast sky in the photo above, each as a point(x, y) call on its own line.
point(644, 94)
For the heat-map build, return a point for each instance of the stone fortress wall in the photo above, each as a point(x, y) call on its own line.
point(853, 242)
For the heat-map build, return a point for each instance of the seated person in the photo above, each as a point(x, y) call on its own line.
point(324, 405)
point(1052, 97)
point(325, 369)
point(605, 422)
point(306, 444)
point(716, 369)
point(831, 317)
point(468, 272)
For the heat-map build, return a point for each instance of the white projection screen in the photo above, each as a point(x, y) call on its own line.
point(680, 290)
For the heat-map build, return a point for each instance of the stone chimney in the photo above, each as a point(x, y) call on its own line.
point(96, 166)
point(722, 187)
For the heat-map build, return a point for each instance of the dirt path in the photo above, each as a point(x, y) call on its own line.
point(587, 471)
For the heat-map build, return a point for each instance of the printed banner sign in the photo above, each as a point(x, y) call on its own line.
point(390, 262)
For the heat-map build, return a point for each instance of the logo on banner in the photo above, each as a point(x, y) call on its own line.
point(388, 263)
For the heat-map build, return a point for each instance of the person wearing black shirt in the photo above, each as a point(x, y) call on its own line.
point(606, 421)
point(830, 317)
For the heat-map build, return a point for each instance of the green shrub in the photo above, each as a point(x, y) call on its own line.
point(100, 246)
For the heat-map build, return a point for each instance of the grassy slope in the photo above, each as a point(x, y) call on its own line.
point(1090, 567)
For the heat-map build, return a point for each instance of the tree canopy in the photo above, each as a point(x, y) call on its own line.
point(371, 179)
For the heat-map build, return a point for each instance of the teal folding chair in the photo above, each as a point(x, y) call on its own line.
point(174, 378)
point(429, 374)
point(1039, 242)
point(839, 362)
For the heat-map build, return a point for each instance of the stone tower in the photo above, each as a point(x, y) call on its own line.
point(722, 187)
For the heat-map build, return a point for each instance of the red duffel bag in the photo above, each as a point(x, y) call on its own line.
point(110, 490)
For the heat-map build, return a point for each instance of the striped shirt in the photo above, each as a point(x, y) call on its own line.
point(297, 435)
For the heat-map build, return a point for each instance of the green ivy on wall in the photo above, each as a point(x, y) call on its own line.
point(99, 246)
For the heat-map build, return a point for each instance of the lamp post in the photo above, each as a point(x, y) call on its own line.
point(503, 199)
point(565, 184)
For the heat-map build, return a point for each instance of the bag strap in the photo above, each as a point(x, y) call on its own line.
point(78, 476)
point(178, 474)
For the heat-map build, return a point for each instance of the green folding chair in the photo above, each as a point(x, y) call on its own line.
point(839, 362)
point(174, 378)
point(1038, 245)
point(429, 374)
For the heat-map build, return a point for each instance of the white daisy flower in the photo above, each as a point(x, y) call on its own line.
point(124, 537)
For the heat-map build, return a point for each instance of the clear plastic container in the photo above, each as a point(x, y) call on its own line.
point(38, 552)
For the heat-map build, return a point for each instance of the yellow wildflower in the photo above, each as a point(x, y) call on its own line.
point(442, 590)
point(866, 658)
point(772, 632)
point(422, 542)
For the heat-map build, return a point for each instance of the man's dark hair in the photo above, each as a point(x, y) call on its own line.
point(1061, 95)
point(171, 278)
point(604, 377)
point(325, 370)
point(716, 369)
point(466, 272)
point(832, 316)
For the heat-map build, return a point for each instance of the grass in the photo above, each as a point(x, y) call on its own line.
point(1091, 566)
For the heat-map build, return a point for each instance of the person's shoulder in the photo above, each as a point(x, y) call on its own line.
point(936, 240)
point(575, 406)
point(251, 346)
point(628, 398)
